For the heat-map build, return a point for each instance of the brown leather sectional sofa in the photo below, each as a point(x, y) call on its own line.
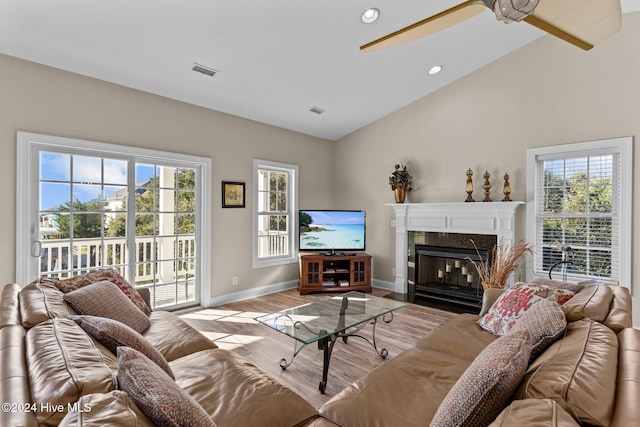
point(591, 376)
point(48, 364)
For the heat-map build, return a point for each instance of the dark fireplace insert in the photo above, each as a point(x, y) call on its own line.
point(440, 270)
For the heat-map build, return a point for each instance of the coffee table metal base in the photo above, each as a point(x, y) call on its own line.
point(326, 345)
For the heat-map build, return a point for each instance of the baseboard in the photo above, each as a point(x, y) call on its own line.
point(251, 293)
point(382, 284)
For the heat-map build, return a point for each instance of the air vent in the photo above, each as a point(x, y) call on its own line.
point(204, 70)
point(317, 110)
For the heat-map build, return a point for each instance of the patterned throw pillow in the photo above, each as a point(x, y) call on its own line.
point(104, 299)
point(485, 388)
point(157, 395)
point(113, 334)
point(512, 304)
point(111, 274)
point(545, 321)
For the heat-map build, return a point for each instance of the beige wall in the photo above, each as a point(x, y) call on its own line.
point(40, 99)
point(546, 93)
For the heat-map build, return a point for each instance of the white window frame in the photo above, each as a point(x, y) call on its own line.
point(624, 148)
point(28, 174)
point(292, 198)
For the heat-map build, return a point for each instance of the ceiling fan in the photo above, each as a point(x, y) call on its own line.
point(582, 23)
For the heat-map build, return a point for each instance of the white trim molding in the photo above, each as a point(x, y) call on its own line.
point(490, 218)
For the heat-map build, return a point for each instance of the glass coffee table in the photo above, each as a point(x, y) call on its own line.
point(325, 321)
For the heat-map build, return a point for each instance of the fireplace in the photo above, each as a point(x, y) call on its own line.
point(440, 267)
point(431, 235)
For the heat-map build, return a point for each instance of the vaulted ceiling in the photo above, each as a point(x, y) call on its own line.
point(275, 60)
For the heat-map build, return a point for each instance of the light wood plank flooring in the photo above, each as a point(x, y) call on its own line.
point(232, 327)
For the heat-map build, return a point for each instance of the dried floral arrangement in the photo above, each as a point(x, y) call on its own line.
point(504, 260)
point(400, 178)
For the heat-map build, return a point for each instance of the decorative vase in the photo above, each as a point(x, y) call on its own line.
point(400, 194)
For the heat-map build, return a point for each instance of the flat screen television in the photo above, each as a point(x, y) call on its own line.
point(332, 232)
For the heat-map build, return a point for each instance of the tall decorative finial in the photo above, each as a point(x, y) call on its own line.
point(506, 189)
point(487, 187)
point(469, 186)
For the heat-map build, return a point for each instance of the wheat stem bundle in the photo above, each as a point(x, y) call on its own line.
point(496, 269)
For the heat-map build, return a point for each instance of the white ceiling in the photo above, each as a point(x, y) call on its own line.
point(276, 59)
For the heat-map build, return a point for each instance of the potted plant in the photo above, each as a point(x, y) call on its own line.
point(401, 182)
point(496, 269)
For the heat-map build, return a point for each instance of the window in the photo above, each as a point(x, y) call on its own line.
point(275, 204)
point(95, 205)
point(579, 195)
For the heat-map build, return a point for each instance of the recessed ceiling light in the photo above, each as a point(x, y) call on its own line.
point(435, 69)
point(370, 15)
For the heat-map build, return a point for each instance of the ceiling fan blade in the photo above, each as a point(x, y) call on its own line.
point(432, 24)
point(583, 23)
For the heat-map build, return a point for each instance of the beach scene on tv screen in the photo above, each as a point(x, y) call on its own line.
point(332, 230)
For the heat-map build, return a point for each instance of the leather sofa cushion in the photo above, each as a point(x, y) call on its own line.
point(404, 391)
point(534, 413)
point(237, 394)
point(578, 372)
point(40, 301)
point(174, 337)
point(14, 378)
point(591, 302)
point(9, 308)
point(108, 409)
point(467, 331)
point(619, 316)
point(64, 363)
point(627, 410)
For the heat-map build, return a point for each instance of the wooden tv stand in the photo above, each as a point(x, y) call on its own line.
point(334, 273)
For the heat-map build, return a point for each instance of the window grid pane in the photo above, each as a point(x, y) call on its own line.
point(576, 207)
point(273, 216)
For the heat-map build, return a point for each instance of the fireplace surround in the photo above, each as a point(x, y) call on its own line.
point(442, 232)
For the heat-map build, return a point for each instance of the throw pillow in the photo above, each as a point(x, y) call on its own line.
point(157, 395)
point(512, 304)
point(111, 274)
point(113, 334)
point(104, 299)
point(545, 321)
point(485, 388)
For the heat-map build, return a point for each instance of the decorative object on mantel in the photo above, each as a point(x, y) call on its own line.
point(495, 271)
point(401, 182)
point(506, 189)
point(487, 187)
point(469, 187)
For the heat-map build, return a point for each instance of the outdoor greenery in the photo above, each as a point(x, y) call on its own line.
point(578, 214)
point(89, 221)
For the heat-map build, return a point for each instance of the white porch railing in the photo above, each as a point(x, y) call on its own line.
point(160, 261)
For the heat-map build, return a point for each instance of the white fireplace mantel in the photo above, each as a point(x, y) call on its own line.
point(491, 218)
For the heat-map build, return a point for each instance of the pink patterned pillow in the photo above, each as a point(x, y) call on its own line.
point(512, 304)
point(111, 274)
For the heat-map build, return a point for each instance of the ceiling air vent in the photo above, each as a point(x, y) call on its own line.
point(204, 70)
point(317, 110)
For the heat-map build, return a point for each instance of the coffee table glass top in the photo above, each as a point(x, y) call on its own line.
point(311, 322)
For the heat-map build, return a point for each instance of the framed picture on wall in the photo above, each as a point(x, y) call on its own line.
point(232, 194)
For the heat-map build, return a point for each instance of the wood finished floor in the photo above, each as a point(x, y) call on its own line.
point(232, 327)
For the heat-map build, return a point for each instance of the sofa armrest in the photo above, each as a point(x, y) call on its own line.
point(146, 295)
point(627, 411)
point(9, 308)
